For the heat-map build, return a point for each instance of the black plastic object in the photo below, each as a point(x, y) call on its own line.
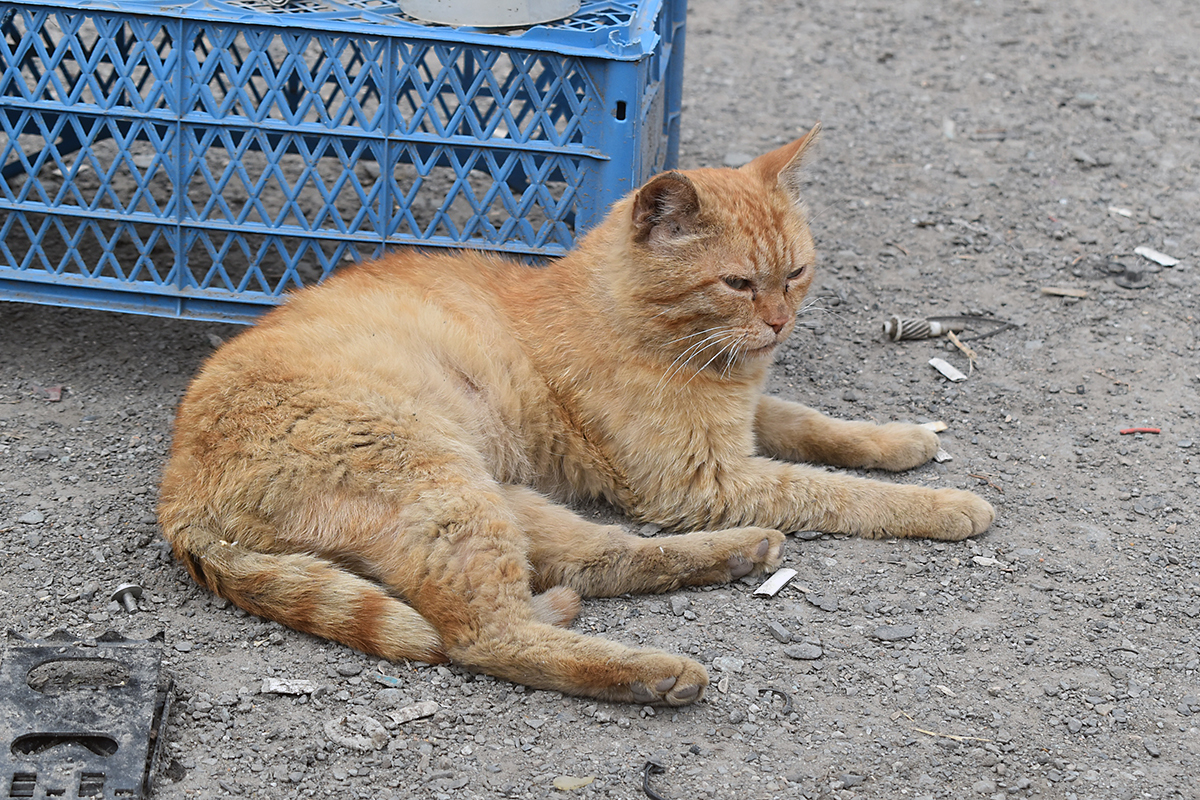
point(81, 718)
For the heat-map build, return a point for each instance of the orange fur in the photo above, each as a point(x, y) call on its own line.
point(372, 462)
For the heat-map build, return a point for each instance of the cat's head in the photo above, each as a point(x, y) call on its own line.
point(717, 261)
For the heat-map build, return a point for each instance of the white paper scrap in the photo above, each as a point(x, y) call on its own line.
point(1155, 256)
point(949, 371)
point(773, 584)
point(941, 456)
point(286, 686)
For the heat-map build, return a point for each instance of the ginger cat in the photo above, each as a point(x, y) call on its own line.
point(372, 462)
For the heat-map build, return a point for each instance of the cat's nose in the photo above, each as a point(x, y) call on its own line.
point(777, 323)
point(775, 313)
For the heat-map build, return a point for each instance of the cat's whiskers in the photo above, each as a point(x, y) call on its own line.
point(736, 338)
point(811, 305)
point(734, 355)
point(681, 361)
point(683, 358)
point(812, 215)
point(698, 333)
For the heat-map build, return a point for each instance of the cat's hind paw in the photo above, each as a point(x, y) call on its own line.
point(766, 554)
point(672, 681)
point(727, 555)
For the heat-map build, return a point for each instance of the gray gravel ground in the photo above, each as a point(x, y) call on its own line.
point(974, 154)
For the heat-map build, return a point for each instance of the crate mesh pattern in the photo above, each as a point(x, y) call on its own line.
point(200, 159)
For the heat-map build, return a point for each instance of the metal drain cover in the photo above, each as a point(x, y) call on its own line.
point(81, 718)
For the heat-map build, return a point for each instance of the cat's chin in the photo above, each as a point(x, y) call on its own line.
point(766, 351)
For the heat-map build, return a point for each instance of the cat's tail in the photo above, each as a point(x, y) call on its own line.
point(316, 596)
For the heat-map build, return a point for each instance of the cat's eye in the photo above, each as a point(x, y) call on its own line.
point(796, 274)
point(738, 284)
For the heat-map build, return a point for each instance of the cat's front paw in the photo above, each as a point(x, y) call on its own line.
point(900, 446)
point(959, 514)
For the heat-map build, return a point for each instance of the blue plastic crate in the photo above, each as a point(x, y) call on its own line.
point(200, 159)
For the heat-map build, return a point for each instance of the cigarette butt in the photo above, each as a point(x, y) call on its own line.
point(937, 426)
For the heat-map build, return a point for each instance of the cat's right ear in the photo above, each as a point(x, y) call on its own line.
point(665, 209)
point(782, 167)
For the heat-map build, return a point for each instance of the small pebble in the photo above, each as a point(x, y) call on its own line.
point(390, 698)
point(780, 633)
point(825, 602)
point(1083, 157)
point(894, 633)
point(34, 517)
point(805, 651)
point(728, 664)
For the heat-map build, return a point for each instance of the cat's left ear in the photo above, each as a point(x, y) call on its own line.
point(782, 167)
point(666, 208)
